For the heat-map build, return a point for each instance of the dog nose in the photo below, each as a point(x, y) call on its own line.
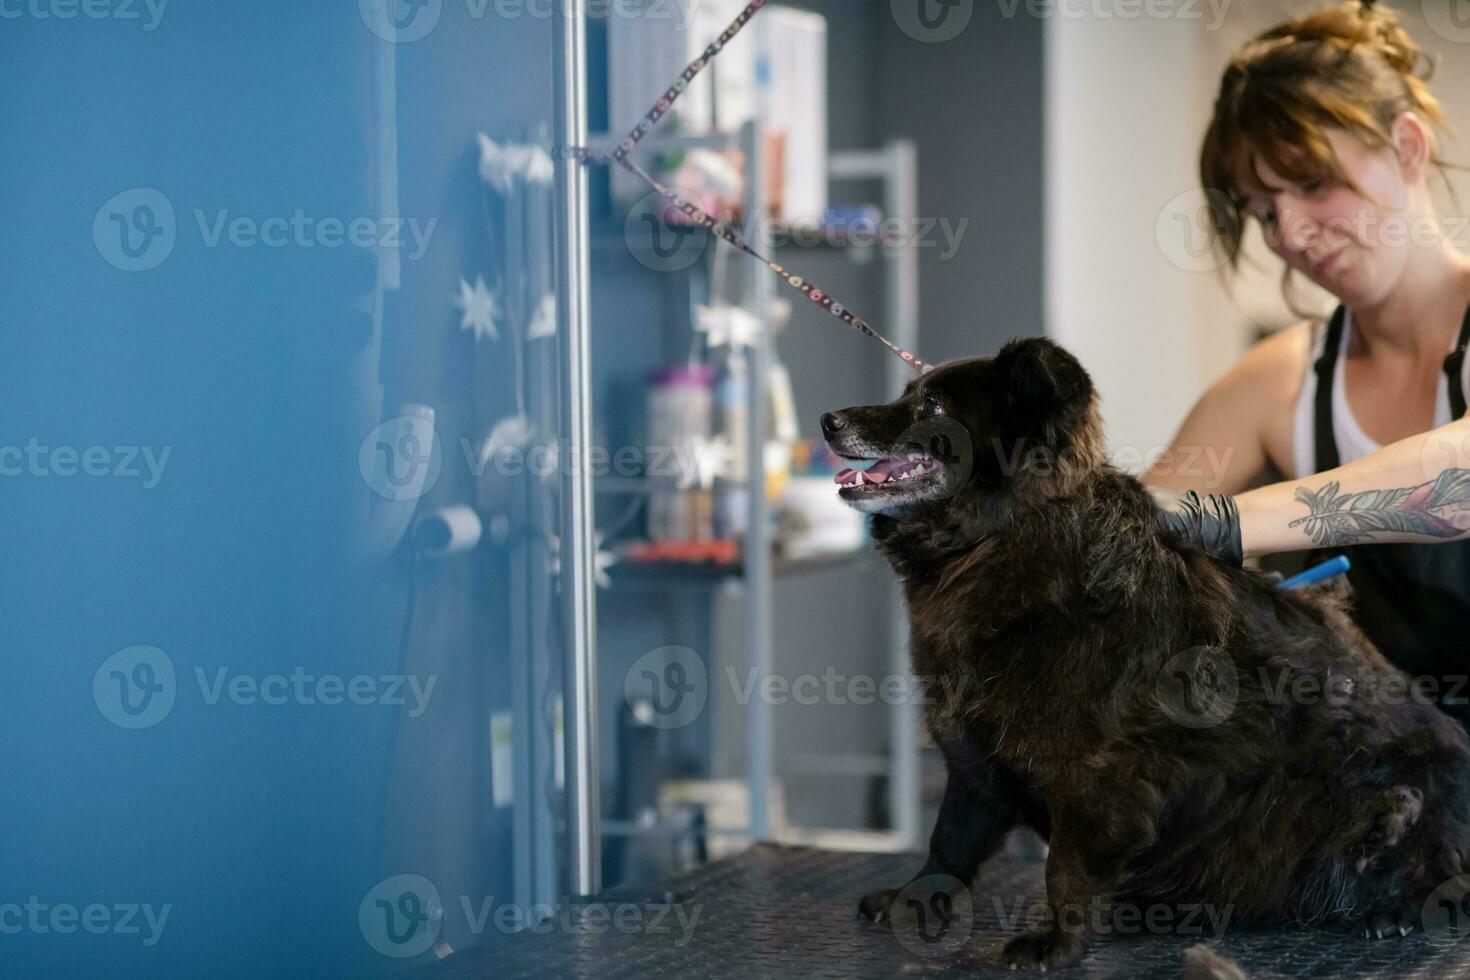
point(832, 422)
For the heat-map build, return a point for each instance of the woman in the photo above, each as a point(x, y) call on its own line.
point(1324, 133)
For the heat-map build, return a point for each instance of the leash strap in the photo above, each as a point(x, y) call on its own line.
point(702, 218)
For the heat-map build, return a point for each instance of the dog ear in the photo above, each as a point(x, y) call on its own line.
point(1041, 375)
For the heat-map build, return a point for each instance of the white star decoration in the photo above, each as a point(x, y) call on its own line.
point(480, 309)
point(544, 322)
point(602, 560)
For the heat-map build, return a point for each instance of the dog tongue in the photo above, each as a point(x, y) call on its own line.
point(879, 472)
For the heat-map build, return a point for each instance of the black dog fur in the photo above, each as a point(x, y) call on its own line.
point(1049, 615)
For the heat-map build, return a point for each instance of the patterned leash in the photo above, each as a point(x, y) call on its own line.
point(703, 219)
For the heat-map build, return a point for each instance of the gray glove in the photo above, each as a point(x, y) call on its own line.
point(1211, 522)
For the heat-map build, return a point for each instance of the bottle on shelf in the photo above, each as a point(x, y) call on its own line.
point(679, 420)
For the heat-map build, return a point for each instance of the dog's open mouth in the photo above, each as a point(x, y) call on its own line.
point(890, 472)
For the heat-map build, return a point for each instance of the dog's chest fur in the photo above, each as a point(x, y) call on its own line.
point(1035, 630)
point(994, 630)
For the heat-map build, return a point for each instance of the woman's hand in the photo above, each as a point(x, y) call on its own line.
point(1211, 522)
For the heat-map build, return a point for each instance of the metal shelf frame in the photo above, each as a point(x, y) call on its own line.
point(895, 166)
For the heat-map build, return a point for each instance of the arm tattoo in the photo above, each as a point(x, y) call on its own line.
point(1352, 518)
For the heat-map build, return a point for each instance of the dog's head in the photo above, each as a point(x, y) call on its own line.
point(971, 426)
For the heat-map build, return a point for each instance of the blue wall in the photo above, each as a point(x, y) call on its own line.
point(260, 826)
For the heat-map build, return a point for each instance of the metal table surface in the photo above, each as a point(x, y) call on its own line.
point(776, 911)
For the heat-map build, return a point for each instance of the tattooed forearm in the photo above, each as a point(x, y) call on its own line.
point(1427, 511)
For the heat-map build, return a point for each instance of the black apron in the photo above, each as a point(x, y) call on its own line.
point(1412, 600)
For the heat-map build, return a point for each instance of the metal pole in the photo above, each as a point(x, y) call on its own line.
point(897, 165)
point(901, 193)
point(569, 74)
point(759, 735)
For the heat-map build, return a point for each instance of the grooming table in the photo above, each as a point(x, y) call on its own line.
point(791, 912)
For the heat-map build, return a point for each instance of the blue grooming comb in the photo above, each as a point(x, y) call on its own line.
point(1319, 573)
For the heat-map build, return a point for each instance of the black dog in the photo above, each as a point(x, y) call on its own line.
point(1178, 730)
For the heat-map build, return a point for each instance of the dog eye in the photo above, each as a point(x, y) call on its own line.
point(932, 407)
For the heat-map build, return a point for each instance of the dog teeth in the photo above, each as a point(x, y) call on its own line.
point(919, 470)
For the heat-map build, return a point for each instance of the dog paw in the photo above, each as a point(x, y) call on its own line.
point(1402, 809)
point(1399, 808)
point(1394, 920)
point(1042, 950)
point(875, 906)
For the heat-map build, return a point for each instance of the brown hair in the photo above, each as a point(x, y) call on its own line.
point(1350, 66)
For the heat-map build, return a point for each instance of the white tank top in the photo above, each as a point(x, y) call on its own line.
point(1352, 442)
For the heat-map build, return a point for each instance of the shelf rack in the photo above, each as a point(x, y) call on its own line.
point(895, 166)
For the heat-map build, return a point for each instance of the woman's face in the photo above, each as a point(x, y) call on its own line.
point(1345, 242)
